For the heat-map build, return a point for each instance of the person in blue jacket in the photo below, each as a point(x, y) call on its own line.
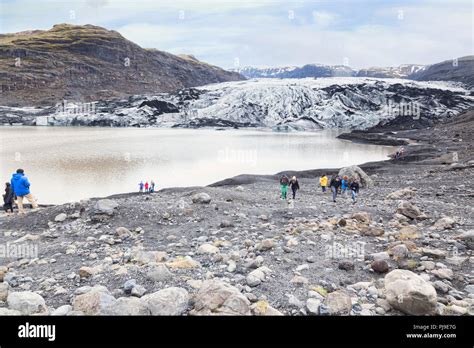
point(344, 184)
point(21, 188)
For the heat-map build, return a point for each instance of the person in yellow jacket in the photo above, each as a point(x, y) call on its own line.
point(323, 181)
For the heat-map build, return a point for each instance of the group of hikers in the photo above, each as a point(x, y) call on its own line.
point(145, 187)
point(337, 185)
point(15, 191)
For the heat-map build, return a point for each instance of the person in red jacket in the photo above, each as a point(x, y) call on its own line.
point(146, 186)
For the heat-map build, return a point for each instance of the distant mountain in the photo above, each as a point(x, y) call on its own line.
point(292, 72)
point(460, 70)
point(85, 63)
point(402, 71)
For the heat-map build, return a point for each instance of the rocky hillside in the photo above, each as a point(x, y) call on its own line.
point(303, 104)
point(86, 63)
point(460, 70)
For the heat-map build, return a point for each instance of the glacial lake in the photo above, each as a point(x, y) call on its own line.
point(66, 164)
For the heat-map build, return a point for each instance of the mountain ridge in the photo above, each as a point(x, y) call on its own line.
point(87, 62)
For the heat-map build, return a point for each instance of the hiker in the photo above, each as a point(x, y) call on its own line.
point(21, 188)
point(294, 185)
point(140, 186)
point(146, 186)
point(323, 181)
point(344, 184)
point(152, 186)
point(335, 184)
point(8, 198)
point(354, 186)
point(284, 185)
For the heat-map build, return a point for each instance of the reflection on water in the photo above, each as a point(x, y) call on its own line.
point(69, 164)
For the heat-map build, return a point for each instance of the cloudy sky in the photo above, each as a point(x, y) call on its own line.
point(270, 32)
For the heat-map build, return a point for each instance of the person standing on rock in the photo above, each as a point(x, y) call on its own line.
point(140, 186)
point(284, 181)
point(294, 185)
point(146, 186)
point(21, 188)
point(335, 184)
point(354, 186)
point(323, 181)
point(8, 198)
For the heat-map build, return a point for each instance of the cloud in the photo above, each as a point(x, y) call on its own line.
point(263, 33)
point(323, 18)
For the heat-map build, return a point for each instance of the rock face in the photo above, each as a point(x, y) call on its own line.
point(26, 302)
point(448, 71)
point(216, 297)
point(357, 173)
point(409, 293)
point(87, 62)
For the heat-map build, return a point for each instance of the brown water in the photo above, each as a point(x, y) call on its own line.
point(67, 164)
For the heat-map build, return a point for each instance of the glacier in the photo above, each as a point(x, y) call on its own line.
point(280, 104)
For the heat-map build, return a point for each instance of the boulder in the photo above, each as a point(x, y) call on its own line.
point(208, 249)
point(127, 306)
point(201, 198)
point(3, 271)
point(445, 223)
point(405, 193)
point(60, 217)
point(362, 217)
point(93, 303)
point(144, 257)
point(122, 232)
point(159, 273)
point(4, 287)
point(256, 277)
point(380, 266)
point(62, 311)
point(265, 244)
point(467, 237)
point(263, 308)
point(105, 206)
point(409, 210)
point(168, 301)
point(218, 298)
point(409, 293)
point(313, 304)
point(26, 302)
point(183, 263)
point(338, 303)
point(357, 173)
